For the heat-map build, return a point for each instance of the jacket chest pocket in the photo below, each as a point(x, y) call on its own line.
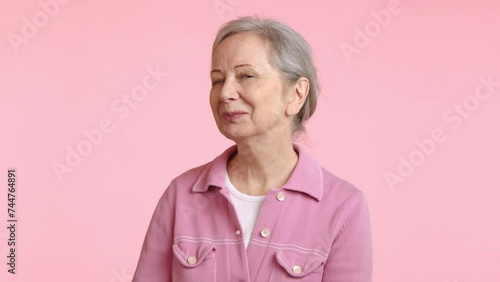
point(294, 266)
point(193, 262)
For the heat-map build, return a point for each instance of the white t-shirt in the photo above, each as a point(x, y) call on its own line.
point(247, 209)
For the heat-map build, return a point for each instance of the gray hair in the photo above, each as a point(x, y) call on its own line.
point(288, 51)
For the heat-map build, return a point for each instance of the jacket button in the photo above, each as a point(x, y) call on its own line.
point(297, 269)
point(237, 232)
point(280, 196)
point(192, 260)
point(265, 232)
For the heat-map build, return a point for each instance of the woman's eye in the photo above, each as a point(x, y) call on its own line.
point(215, 82)
point(247, 76)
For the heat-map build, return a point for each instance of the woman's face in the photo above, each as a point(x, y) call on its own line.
point(244, 81)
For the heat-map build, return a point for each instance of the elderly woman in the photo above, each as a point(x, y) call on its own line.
point(264, 209)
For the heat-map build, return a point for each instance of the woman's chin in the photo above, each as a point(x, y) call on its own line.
point(234, 135)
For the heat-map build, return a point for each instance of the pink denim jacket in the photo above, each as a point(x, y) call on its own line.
point(314, 228)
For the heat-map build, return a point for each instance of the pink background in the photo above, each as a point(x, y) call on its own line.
point(439, 223)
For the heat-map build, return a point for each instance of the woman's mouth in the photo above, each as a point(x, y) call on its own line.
point(231, 116)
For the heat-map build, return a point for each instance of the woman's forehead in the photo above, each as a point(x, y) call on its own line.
point(247, 43)
point(243, 51)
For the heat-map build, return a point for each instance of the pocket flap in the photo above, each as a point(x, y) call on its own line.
point(298, 265)
point(193, 254)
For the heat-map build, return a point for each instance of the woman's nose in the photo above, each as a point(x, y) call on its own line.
point(229, 89)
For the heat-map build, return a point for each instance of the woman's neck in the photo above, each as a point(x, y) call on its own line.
point(257, 168)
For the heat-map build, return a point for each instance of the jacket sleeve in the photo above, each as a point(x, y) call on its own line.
point(350, 258)
point(155, 260)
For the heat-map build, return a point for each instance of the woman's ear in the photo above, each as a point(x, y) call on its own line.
point(298, 96)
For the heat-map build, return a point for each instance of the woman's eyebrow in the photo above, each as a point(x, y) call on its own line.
point(243, 65)
point(237, 66)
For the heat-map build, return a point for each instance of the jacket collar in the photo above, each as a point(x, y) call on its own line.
point(307, 177)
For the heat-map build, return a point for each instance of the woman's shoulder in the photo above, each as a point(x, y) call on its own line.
point(199, 178)
point(188, 177)
point(321, 181)
point(339, 188)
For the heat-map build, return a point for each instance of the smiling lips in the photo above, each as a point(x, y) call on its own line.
point(230, 116)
